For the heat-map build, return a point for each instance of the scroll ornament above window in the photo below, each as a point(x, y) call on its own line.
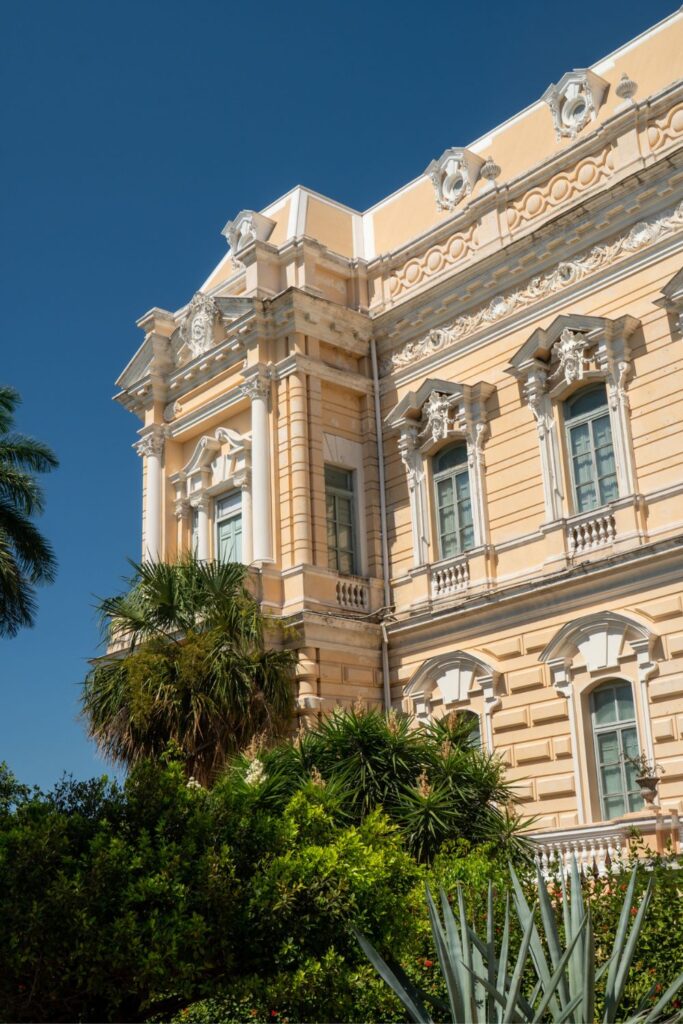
point(440, 411)
point(551, 365)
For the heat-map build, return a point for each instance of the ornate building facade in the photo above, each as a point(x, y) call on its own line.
point(447, 435)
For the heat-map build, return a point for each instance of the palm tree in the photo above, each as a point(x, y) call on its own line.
point(26, 558)
point(193, 669)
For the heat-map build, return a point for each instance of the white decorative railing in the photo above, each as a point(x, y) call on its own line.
point(353, 595)
point(599, 848)
point(593, 853)
point(451, 578)
point(588, 534)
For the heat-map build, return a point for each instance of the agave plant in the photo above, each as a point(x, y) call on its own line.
point(485, 985)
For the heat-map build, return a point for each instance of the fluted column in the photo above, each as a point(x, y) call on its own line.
point(257, 389)
point(151, 447)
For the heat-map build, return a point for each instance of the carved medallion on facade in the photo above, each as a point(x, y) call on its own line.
point(453, 176)
point(575, 101)
point(197, 329)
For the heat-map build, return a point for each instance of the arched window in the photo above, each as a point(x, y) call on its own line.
point(473, 720)
point(615, 736)
point(453, 501)
point(591, 452)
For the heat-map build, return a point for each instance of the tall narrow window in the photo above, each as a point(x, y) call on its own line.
point(591, 453)
point(229, 528)
point(341, 520)
point(616, 737)
point(453, 501)
point(194, 530)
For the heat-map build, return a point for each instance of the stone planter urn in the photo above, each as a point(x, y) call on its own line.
point(648, 788)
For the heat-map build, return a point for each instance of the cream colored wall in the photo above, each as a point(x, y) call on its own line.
point(531, 729)
point(529, 139)
point(330, 225)
point(513, 465)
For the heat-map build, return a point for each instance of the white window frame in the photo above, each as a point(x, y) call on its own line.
point(596, 349)
point(571, 424)
point(616, 727)
point(442, 411)
point(231, 516)
point(452, 473)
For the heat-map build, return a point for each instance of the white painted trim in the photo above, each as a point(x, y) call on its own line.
point(369, 236)
point(293, 218)
point(358, 237)
point(301, 213)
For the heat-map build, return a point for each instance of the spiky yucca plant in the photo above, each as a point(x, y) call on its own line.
point(484, 983)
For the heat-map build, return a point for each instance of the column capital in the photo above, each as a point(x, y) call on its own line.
point(257, 384)
point(200, 501)
point(151, 443)
point(181, 508)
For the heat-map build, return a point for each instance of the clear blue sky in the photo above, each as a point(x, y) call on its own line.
point(132, 132)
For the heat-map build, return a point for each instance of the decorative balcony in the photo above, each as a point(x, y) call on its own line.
point(601, 848)
point(588, 533)
point(449, 577)
point(353, 594)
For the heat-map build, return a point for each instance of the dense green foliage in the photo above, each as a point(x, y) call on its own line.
point(26, 558)
point(432, 782)
point(162, 900)
point(194, 670)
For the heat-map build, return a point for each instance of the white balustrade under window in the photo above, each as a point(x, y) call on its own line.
point(450, 578)
point(589, 534)
point(593, 853)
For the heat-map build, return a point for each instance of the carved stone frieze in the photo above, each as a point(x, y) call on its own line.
point(561, 188)
point(666, 129)
point(434, 261)
point(538, 202)
point(537, 288)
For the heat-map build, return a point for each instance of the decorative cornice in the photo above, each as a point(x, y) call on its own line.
point(566, 273)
